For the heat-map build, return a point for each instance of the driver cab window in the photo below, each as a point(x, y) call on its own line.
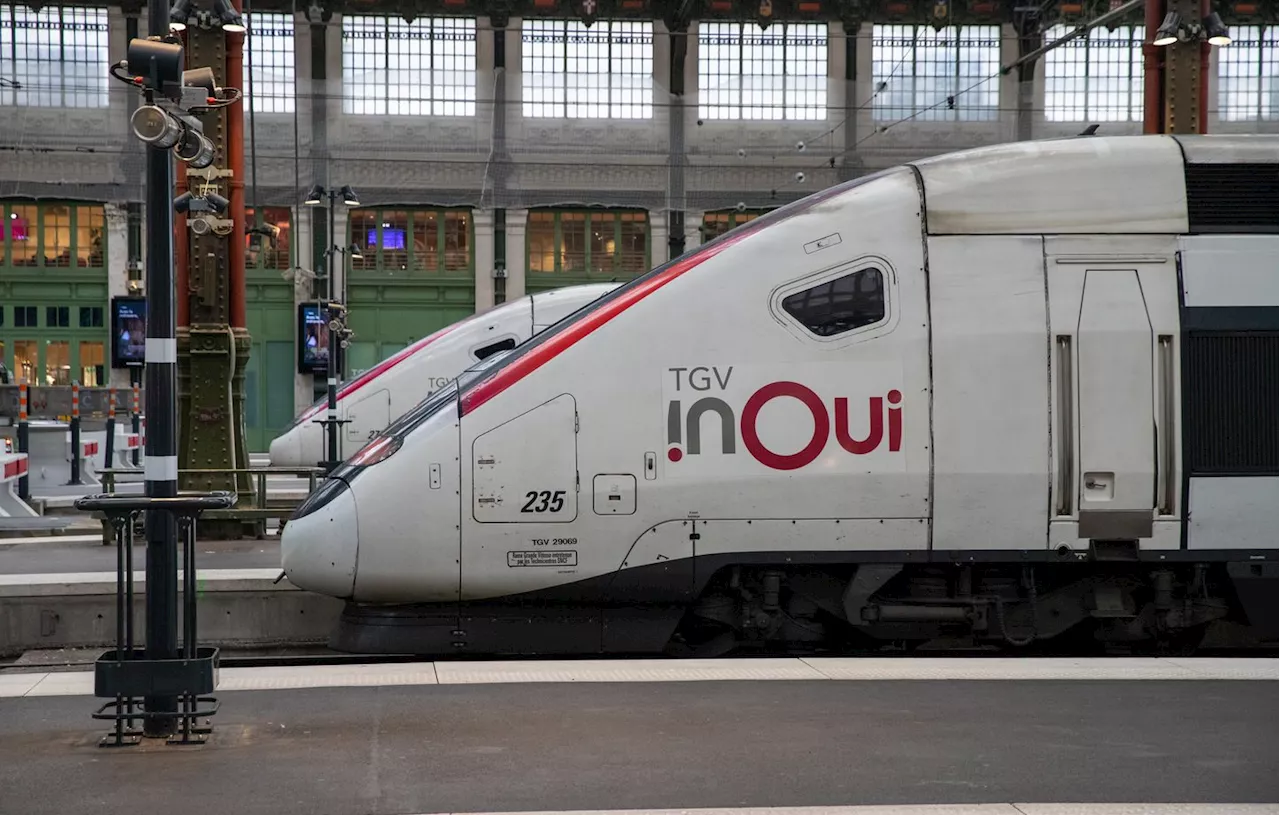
point(853, 301)
point(493, 348)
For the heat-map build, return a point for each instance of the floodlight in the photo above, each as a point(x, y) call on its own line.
point(1215, 31)
point(216, 202)
point(349, 197)
point(179, 14)
point(314, 195)
point(1167, 34)
point(231, 20)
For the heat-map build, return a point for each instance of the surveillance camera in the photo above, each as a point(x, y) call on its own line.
point(800, 146)
point(194, 149)
point(800, 177)
point(742, 206)
point(154, 126)
point(742, 153)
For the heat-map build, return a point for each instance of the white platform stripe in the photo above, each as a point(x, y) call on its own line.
point(80, 683)
point(951, 809)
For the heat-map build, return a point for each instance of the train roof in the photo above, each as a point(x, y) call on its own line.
point(1105, 184)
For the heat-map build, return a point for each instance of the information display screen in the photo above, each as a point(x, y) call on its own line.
point(313, 339)
point(128, 332)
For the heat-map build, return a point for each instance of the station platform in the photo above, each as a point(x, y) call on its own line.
point(971, 737)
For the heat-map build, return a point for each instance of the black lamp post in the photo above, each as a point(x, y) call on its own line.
point(331, 422)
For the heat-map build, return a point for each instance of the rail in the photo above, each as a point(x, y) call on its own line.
point(258, 513)
point(153, 682)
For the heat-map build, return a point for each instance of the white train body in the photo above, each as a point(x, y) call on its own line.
point(378, 396)
point(1009, 394)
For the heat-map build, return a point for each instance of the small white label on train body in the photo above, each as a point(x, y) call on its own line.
point(547, 558)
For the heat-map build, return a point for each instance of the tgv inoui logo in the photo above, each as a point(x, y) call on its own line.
point(784, 423)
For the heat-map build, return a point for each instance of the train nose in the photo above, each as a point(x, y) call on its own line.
point(318, 546)
point(286, 450)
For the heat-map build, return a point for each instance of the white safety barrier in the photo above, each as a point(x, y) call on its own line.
point(89, 454)
point(125, 444)
point(13, 466)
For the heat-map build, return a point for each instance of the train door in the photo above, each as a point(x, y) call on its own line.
point(1113, 319)
point(365, 418)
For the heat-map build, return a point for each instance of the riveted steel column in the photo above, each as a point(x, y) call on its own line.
point(212, 343)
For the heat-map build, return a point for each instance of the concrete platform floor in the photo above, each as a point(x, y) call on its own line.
point(566, 745)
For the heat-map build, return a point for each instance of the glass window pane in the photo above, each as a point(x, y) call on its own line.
point(25, 360)
point(57, 362)
point(426, 241)
point(573, 242)
point(22, 224)
point(57, 235)
point(457, 241)
point(633, 256)
point(270, 60)
point(542, 242)
point(92, 364)
point(603, 243)
point(55, 57)
point(90, 234)
point(392, 67)
point(364, 234)
point(393, 240)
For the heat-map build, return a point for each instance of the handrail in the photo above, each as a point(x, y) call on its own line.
point(1066, 427)
point(1165, 449)
point(226, 471)
point(191, 502)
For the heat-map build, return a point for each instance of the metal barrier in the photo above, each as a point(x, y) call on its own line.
point(13, 468)
point(55, 402)
point(261, 508)
point(126, 675)
point(81, 453)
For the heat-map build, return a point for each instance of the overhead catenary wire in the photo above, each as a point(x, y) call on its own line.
point(1077, 32)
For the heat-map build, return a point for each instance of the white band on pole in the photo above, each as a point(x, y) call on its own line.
point(160, 468)
point(162, 350)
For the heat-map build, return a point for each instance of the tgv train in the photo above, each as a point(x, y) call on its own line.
point(373, 399)
point(1019, 394)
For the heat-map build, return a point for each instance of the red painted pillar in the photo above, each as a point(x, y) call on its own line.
point(1153, 101)
point(235, 163)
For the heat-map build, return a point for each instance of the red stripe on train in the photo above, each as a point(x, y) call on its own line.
point(509, 375)
point(382, 367)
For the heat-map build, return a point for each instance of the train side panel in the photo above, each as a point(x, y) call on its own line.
point(823, 432)
point(991, 392)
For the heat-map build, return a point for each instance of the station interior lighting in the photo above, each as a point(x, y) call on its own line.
point(182, 13)
point(209, 202)
point(1173, 30)
point(179, 13)
point(317, 193)
point(229, 17)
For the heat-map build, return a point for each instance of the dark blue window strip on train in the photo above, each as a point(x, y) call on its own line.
point(1230, 405)
point(1233, 198)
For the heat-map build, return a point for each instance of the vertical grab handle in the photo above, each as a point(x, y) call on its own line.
point(1165, 451)
point(1066, 425)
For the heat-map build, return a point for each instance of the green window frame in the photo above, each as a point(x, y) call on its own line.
point(49, 216)
point(413, 242)
point(599, 226)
